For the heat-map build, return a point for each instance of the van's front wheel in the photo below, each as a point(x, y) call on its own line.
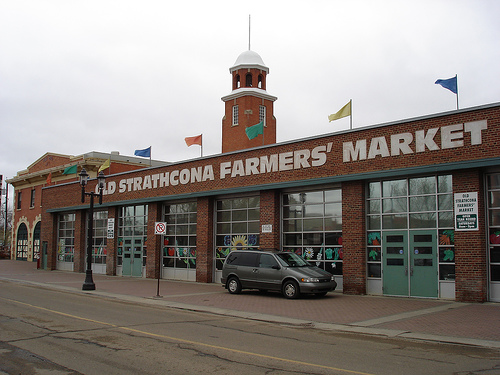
point(234, 285)
point(291, 289)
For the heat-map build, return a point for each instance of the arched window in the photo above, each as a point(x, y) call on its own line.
point(261, 84)
point(236, 82)
point(248, 80)
point(36, 241)
point(22, 242)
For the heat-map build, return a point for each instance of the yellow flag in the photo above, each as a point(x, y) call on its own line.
point(106, 165)
point(344, 112)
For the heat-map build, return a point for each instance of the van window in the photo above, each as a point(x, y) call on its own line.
point(242, 258)
point(267, 261)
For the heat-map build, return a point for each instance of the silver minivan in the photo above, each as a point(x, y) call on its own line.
point(285, 272)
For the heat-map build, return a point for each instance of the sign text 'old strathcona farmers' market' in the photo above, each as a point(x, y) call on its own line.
point(285, 161)
point(451, 136)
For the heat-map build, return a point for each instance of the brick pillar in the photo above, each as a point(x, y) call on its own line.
point(153, 242)
point(80, 249)
point(205, 240)
point(471, 275)
point(270, 214)
point(354, 237)
point(49, 235)
point(112, 244)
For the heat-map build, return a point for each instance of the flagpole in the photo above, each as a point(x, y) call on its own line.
point(249, 31)
point(456, 79)
point(201, 146)
point(262, 132)
point(150, 149)
point(351, 112)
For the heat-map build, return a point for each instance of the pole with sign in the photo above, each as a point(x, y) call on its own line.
point(160, 228)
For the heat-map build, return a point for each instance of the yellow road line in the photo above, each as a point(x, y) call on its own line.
point(189, 341)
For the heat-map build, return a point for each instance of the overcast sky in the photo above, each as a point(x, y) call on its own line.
point(102, 75)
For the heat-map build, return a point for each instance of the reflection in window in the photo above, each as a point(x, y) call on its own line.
point(414, 203)
point(132, 230)
point(66, 237)
point(494, 225)
point(237, 227)
point(312, 227)
point(179, 244)
point(99, 245)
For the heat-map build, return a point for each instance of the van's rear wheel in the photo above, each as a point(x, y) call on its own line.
point(291, 289)
point(234, 285)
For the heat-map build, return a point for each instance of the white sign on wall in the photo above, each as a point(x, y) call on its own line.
point(111, 228)
point(267, 228)
point(466, 211)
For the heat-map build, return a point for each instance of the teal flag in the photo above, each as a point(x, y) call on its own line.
point(255, 130)
point(70, 170)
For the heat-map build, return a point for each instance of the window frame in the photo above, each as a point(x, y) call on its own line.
point(235, 120)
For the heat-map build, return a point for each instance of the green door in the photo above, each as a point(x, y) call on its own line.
point(395, 263)
point(132, 257)
point(423, 263)
point(410, 263)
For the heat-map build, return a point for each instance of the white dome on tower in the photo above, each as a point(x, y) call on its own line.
point(249, 59)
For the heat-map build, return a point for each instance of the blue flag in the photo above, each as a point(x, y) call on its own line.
point(145, 153)
point(450, 84)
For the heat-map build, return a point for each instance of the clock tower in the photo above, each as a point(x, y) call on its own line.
point(248, 104)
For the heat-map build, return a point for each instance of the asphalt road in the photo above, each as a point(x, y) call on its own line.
point(51, 332)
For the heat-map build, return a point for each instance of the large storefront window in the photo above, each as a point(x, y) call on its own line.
point(312, 227)
point(179, 244)
point(132, 234)
point(65, 241)
point(494, 234)
point(237, 228)
point(100, 232)
point(410, 224)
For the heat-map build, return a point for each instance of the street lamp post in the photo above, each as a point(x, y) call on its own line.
point(84, 177)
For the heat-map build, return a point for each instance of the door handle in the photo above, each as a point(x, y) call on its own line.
point(406, 271)
point(411, 271)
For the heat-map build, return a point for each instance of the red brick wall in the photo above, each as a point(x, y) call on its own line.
point(205, 240)
point(354, 237)
point(270, 214)
point(49, 235)
point(471, 266)
point(49, 161)
point(112, 243)
point(234, 138)
point(69, 194)
point(471, 276)
point(81, 234)
point(153, 241)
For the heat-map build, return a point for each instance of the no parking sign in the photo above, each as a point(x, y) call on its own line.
point(160, 228)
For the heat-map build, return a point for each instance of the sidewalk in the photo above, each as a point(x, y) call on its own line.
point(411, 318)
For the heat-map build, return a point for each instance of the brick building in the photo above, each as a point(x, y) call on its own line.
point(53, 169)
point(408, 208)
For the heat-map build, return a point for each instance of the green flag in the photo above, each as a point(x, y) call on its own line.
point(70, 170)
point(255, 130)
